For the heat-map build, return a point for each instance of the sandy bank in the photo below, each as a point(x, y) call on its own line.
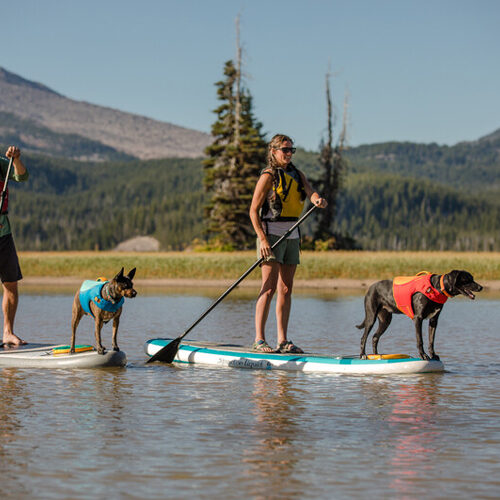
point(336, 284)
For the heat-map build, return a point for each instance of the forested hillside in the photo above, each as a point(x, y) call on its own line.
point(69, 205)
point(397, 196)
point(467, 165)
point(399, 213)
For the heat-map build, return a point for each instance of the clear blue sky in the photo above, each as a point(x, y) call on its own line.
point(420, 71)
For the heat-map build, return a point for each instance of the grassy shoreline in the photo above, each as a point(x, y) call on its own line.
point(357, 265)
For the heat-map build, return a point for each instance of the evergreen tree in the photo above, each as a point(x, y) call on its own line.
point(235, 157)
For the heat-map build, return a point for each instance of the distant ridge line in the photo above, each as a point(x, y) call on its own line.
point(131, 134)
point(14, 79)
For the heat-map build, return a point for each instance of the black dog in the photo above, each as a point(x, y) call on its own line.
point(380, 303)
point(104, 301)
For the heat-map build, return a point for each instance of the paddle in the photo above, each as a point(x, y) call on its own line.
point(4, 190)
point(167, 353)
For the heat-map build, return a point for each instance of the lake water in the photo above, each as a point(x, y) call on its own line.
point(162, 431)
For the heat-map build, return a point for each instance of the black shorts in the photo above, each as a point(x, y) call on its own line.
point(9, 263)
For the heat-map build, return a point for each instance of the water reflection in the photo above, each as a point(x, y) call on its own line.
point(407, 412)
point(417, 439)
point(14, 402)
point(96, 400)
point(276, 412)
point(10, 392)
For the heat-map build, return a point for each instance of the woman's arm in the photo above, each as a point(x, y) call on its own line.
point(20, 172)
point(264, 184)
point(315, 198)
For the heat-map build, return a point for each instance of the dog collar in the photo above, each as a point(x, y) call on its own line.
point(441, 285)
point(106, 295)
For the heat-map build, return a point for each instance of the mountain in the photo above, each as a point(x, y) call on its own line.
point(43, 121)
point(493, 137)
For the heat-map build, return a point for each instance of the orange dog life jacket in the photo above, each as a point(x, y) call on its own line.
point(404, 287)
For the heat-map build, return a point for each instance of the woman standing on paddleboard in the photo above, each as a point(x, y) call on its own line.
point(277, 203)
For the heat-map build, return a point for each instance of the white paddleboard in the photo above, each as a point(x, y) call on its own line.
point(211, 353)
point(57, 356)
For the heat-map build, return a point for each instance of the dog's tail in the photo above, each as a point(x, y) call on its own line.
point(362, 325)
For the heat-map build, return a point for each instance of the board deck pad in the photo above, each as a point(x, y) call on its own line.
point(65, 349)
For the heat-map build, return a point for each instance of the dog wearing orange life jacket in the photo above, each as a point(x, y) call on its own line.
point(419, 297)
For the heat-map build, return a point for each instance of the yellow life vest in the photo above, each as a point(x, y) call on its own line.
point(285, 201)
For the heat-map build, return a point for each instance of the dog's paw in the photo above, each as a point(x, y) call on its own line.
point(101, 350)
point(116, 348)
point(425, 357)
point(435, 357)
point(363, 356)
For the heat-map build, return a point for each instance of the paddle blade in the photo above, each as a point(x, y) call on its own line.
point(166, 354)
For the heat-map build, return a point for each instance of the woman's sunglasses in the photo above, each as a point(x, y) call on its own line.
point(287, 150)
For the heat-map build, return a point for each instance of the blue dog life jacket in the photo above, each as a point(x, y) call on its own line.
point(90, 291)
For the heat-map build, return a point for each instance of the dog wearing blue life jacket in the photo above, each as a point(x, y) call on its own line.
point(103, 300)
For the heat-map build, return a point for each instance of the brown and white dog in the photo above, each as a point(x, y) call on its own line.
point(104, 301)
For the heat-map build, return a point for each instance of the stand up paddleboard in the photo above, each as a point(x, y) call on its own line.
point(210, 353)
point(58, 356)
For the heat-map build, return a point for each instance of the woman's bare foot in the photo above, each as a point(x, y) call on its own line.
point(9, 339)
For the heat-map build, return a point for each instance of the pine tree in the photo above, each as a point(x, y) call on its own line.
point(235, 157)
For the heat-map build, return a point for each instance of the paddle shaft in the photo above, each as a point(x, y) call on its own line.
point(175, 343)
point(4, 190)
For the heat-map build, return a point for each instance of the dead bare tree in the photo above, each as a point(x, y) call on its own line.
point(333, 169)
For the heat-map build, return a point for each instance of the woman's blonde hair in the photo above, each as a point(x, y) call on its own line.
point(274, 143)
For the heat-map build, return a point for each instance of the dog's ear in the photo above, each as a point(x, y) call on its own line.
point(451, 279)
point(119, 275)
point(131, 274)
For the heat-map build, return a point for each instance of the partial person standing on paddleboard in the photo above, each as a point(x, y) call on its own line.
point(13, 169)
point(277, 203)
